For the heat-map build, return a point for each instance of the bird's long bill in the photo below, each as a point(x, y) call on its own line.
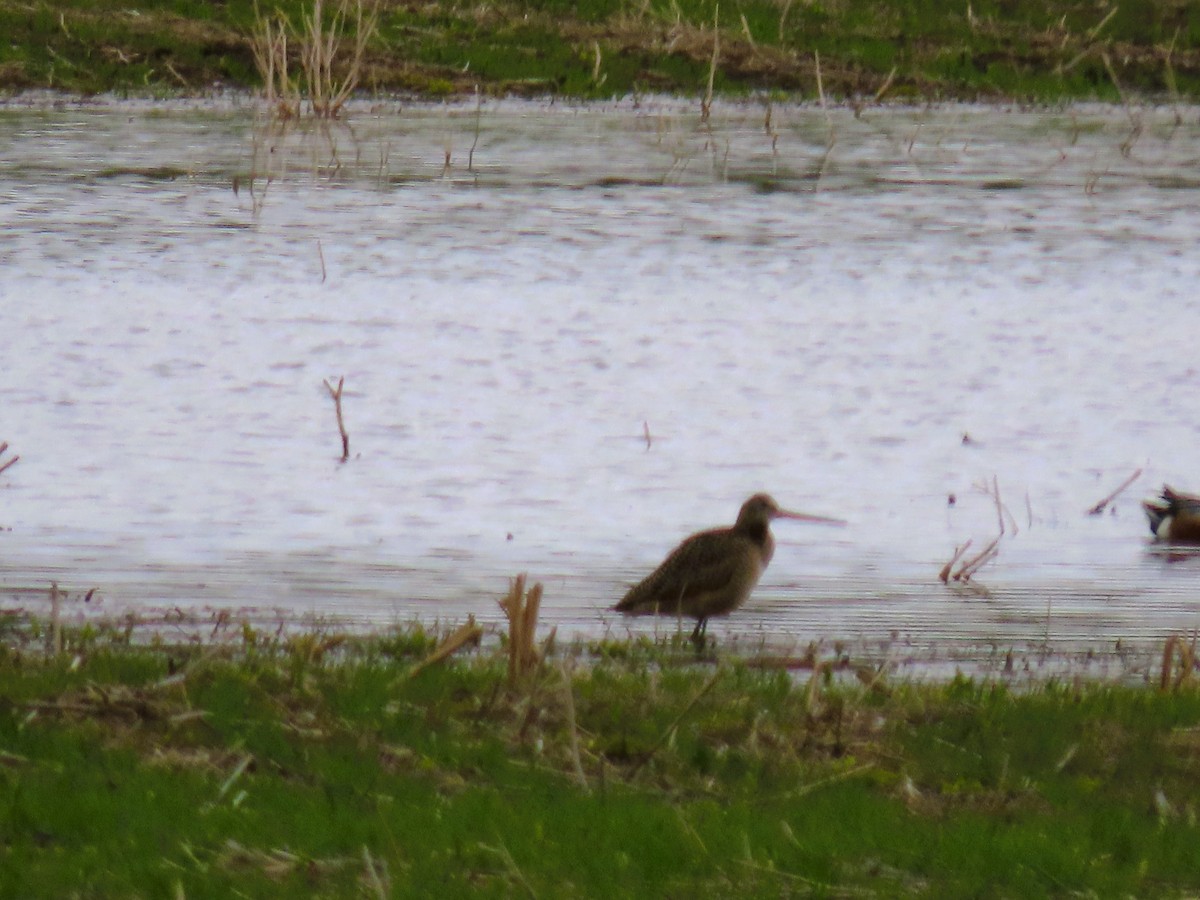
point(809, 517)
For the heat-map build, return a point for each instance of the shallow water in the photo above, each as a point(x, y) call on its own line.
point(822, 310)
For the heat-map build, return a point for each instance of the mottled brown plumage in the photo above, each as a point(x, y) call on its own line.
point(713, 572)
point(1174, 516)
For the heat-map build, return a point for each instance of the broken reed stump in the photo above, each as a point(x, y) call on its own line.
point(521, 608)
point(1186, 653)
point(336, 394)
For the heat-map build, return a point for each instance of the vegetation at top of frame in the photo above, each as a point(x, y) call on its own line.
point(905, 49)
point(323, 765)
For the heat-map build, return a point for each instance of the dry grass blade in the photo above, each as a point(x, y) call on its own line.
point(331, 74)
point(572, 728)
point(521, 609)
point(269, 43)
point(514, 870)
point(56, 640)
point(469, 633)
point(328, 92)
point(666, 735)
point(1100, 507)
point(706, 103)
point(372, 878)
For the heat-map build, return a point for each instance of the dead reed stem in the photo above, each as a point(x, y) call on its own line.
point(521, 609)
point(977, 562)
point(3, 450)
point(944, 575)
point(783, 13)
point(269, 43)
point(469, 633)
point(321, 56)
point(478, 122)
point(1005, 524)
point(886, 86)
point(336, 394)
point(56, 641)
point(1100, 507)
point(706, 103)
point(1186, 653)
point(330, 72)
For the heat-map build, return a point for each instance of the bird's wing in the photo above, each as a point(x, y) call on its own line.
point(704, 564)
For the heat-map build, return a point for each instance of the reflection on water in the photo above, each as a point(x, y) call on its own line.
point(518, 298)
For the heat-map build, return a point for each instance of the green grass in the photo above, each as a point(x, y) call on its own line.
point(315, 766)
point(1018, 49)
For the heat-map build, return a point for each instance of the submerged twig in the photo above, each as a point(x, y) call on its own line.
point(1100, 507)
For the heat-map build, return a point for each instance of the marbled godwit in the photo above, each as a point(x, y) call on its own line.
point(1174, 516)
point(713, 572)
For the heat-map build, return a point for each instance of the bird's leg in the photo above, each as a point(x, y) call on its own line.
point(700, 634)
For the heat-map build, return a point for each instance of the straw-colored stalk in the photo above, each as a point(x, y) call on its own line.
point(269, 44)
point(572, 727)
point(469, 633)
point(56, 638)
point(321, 54)
point(684, 713)
point(706, 103)
point(1186, 654)
point(331, 67)
point(521, 608)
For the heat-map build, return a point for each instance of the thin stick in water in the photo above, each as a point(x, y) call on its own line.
point(1099, 507)
point(336, 394)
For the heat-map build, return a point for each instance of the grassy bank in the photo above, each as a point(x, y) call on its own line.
point(906, 49)
point(324, 765)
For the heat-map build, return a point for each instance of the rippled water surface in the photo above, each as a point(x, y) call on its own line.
point(572, 335)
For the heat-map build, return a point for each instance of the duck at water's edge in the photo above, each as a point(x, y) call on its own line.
point(1174, 516)
point(713, 572)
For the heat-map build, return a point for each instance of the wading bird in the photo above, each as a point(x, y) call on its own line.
point(713, 572)
point(1174, 516)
